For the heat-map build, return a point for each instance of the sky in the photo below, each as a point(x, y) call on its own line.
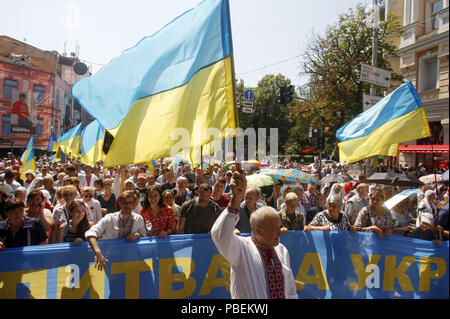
point(269, 36)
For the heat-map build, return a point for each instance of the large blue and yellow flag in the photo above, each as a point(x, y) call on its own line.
point(27, 159)
point(70, 142)
point(397, 118)
point(92, 138)
point(180, 77)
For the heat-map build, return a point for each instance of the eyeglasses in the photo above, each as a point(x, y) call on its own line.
point(87, 195)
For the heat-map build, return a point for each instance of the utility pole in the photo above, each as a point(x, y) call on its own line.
point(373, 88)
point(373, 91)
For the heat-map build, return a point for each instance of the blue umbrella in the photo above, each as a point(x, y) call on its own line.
point(290, 176)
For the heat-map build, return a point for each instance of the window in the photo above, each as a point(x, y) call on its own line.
point(436, 7)
point(8, 87)
point(428, 73)
point(39, 125)
point(41, 91)
point(6, 125)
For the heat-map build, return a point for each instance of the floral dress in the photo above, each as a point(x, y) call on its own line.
point(164, 220)
point(367, 218)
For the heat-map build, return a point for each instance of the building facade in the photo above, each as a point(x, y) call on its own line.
point(46, 79)
point(424, 54)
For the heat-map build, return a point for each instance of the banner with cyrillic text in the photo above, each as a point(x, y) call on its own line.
point(325, 264)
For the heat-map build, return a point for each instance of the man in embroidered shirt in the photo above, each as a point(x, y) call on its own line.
point(260, 265)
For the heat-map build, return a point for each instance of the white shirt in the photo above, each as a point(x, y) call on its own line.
point(96, 210)
point(248, 273)
point(108, 226)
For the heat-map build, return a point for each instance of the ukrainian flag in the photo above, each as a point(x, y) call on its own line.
point(397, 118)
point(92, 138)
point(52, 144)
point(70, 142)
point(27, 159)
point(180, 77)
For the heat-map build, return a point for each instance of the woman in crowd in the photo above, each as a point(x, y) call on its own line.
point(401, 217)
point(94, 205)
point(318, 207)
point(121, 224)
point(427, 205)
point(98, 185)
point(73, 231)
point(169, 201)
point(155, 212)
point(61, 212)
point(375, 217)
point(332, 218)
point(107, 198)
point(181, 191)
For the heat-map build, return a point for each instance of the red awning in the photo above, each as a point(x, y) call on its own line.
point(423, 148)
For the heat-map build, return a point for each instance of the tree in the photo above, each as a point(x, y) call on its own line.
point(332, 65)
point(268, 112)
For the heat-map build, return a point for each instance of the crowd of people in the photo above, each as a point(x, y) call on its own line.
point(73, 202)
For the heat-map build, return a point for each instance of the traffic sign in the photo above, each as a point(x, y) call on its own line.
point(249, 95)
point(247, 109)
point(369, 101)
point(375, 75)
point(247, 103)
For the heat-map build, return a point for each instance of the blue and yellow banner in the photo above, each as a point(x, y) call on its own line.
point(399, 117)
point(326, 265)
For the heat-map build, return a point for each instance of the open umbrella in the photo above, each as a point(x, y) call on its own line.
point(288, 176)
point(260, 180)
point(337, 178)
point(395, 179)
point(444, 176)
point(397, 198)
point(430, 178)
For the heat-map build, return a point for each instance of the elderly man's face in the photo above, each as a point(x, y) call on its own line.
point(270, 232)
point(251, 198)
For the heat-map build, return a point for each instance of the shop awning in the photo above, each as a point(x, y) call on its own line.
point(423, 149)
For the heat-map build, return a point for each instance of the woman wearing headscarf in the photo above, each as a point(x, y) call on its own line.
point(427, 205)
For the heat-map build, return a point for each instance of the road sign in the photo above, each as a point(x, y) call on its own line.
point(247, 103)
point(369, 101)
point(249, 95)
point(375, 75)
point(247, 109)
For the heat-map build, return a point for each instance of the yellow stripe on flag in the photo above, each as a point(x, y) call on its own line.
point(206, 101)
point(384, 140)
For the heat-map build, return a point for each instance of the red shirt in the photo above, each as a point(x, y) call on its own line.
point(163, 221)
point(223, 201)
point(21, 109)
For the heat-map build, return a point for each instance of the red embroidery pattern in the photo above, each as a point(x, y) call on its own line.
point(273, 270)
point(164, 220)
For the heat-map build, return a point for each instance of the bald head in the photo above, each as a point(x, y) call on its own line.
point(262, 214)
point(265, 224)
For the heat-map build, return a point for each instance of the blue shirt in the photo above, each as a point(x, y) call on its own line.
point(31, 233)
